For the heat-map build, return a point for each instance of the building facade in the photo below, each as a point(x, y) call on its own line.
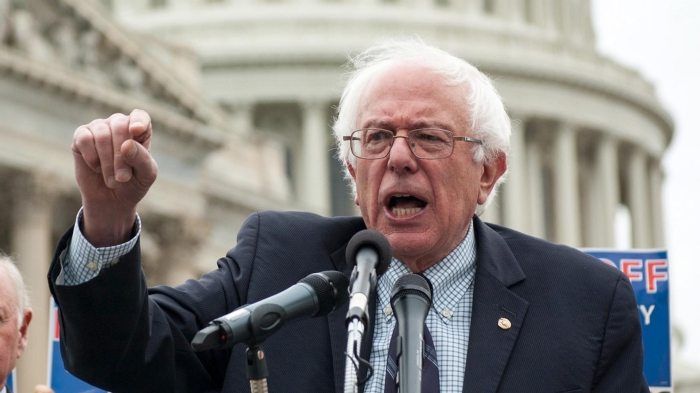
point(242, 94)
point(588, 134)
point(63, 63)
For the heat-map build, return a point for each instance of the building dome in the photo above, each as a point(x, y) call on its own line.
point(588, 134)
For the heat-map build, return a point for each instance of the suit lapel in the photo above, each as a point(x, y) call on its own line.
point(490, 341)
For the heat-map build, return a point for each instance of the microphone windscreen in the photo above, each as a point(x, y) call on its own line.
point(415, 284)
point(331, 288)
point(375, 240)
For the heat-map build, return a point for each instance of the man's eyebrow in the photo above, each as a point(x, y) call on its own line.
point(430, 124)
point(378, 124)
point(388, 125)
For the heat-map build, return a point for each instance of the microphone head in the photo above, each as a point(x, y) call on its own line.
point(331, 289)
point(372, 239)
point(412, 284)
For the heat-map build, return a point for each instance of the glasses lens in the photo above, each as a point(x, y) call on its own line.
point(431, 143)
point(371, 142)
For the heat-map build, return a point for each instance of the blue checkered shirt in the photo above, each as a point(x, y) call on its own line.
point(83, 261)
point(448, 319)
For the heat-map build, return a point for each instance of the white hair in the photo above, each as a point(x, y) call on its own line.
point(488, 120)
point(21, 295)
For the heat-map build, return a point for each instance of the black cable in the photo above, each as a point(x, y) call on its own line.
point(354, 364)
point(370, 369)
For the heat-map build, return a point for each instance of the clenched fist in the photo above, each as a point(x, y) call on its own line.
point(114, 170)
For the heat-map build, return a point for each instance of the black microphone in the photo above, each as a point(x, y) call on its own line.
point(370, 252)
point(411, 299)
point(314, 295)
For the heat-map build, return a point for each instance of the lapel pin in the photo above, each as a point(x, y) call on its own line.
point(504, 323)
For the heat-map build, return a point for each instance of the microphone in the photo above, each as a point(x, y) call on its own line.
point(411, 299)
point(314, 295)
point(370, 252)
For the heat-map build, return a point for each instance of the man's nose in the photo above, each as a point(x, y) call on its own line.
point(401, 158)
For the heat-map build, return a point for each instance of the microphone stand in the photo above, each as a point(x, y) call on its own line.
point(352, 364)
point(358, 317)
point(256, 368)
point(371, 252)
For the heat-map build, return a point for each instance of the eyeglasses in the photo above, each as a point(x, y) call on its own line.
point(425, 143)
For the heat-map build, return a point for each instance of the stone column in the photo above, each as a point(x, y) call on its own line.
point(510, 10)
point(473, 7)
point(515, 193)
point(274, 180)
point(537, 12)
point(583, 18)
point(169, 258)
point(638, 192)
point(535, 188)
point(563, 17)
point(542, 12)
point(424, 4)
point(313, 189)
point(655, 192)
point(574, 18)
point(180, 4)
point(567, 223)
point(32, 246)
point(608, 190)
point(242, 118)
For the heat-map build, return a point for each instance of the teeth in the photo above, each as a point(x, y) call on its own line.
point(402, 212)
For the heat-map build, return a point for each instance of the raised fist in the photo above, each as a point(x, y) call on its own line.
point(114, 170)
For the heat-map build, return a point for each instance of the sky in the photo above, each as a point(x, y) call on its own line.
point(661, 39)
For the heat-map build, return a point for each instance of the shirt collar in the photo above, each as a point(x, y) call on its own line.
point(451, 277)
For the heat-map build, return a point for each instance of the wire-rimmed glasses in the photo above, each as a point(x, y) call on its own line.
point(425, 143)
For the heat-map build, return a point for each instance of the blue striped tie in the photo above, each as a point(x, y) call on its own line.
point(430, 379)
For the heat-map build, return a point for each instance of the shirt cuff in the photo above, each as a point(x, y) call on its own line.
point(83, 261)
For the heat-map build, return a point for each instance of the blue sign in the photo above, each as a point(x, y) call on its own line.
point(647, 270)
point(61, 381)
point(11, 381)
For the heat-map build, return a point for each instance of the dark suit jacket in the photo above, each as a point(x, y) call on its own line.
point(575, 325)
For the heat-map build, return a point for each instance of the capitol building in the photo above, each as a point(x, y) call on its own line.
point(242, 94)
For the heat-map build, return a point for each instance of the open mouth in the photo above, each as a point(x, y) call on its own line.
point(404, 205)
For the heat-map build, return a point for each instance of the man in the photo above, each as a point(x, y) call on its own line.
point(15, 316)
point(424, 138)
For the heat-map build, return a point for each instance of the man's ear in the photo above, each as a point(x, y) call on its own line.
point(493, 170)
point(24, 331)
point(351, 169)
